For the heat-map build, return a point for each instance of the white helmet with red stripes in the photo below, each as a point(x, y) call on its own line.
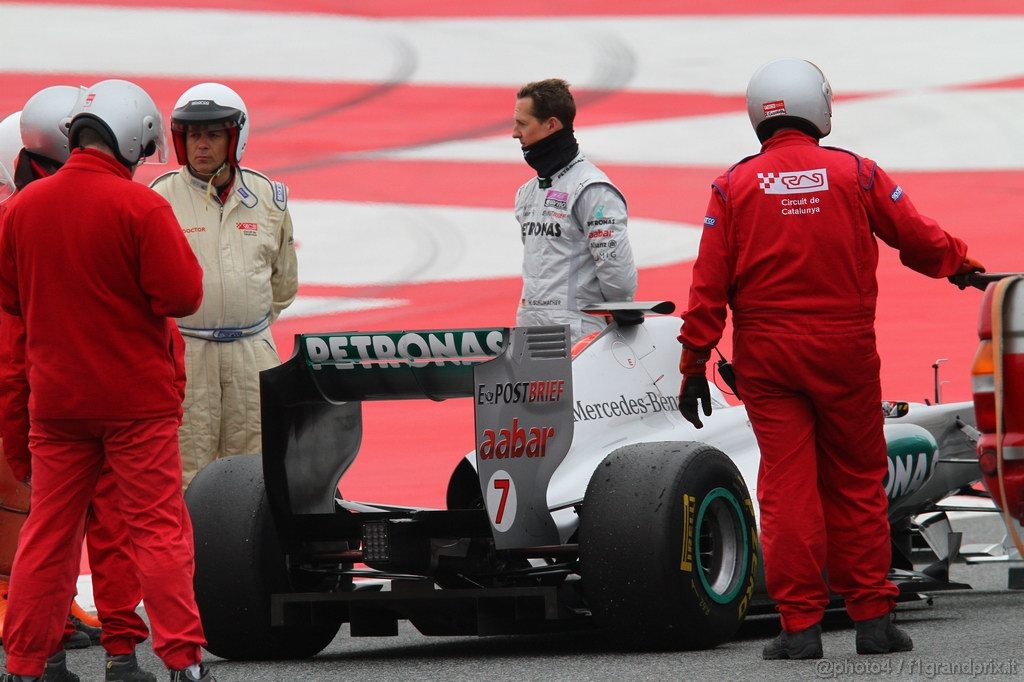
point(210, 104)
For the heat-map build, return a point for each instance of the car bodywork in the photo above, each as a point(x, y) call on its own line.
point(570, 443)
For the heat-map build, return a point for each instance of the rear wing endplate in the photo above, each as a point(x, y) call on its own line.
point(521, 382)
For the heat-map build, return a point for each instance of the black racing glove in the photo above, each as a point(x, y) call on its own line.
point(695, 387)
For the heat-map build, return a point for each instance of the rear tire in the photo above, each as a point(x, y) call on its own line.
point(240, 563)
point(668, 546)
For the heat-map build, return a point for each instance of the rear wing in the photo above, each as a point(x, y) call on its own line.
point(630, 312)
point(521, 382)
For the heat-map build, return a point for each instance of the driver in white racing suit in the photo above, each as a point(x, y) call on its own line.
point(575, 248)
point(238, 224)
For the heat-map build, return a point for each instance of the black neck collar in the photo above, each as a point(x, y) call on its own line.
point(553, 153)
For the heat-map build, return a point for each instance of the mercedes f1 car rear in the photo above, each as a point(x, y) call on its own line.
point(588, 501)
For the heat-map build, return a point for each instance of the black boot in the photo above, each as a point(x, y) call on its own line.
point(185, 676)
point(125, 668)
point(802, 644)
point(77, 640)
point(89, 631)
point(881, 636)
point(57, 669)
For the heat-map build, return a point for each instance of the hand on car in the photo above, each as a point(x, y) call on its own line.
point(970, 265)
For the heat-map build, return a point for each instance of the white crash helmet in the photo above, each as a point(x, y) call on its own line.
point(206, 104)
point(10, 148)
point(46, 118)
point(793, 88)
point(126, 117)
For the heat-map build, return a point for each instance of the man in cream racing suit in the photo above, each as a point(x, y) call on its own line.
point(238, 224)
point(573, 219)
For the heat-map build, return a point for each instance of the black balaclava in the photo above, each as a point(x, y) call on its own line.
point(31, 167)
point(553, 153)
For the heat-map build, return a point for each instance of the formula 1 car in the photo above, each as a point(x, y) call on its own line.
point(588, 501)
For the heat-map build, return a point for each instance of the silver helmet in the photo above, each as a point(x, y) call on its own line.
point(125, 116)
point(10, 148)
point(46, 118)
point(209, 104)
point(791, 88)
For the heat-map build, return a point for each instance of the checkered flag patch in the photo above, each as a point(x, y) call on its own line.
point(767, 180)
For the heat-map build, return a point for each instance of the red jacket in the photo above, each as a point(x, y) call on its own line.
point(13, 391)
point(789, 242)
point(95, 264)
point(14, 394)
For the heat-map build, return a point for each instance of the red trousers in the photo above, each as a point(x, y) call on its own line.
point(116, 587)
point(118, 591)
point(67, 459)
point(814, 402)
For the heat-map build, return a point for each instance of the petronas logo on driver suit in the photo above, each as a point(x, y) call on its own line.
point(542, 229)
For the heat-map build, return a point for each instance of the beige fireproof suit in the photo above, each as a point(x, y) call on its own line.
point(250, 275)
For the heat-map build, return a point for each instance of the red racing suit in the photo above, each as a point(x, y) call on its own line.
point(96, 264)
point(117, 590)
point(789, 245)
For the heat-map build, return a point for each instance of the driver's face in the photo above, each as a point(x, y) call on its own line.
point(207, 148)
point(529, 129)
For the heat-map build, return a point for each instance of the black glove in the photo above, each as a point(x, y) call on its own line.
point(695, 387)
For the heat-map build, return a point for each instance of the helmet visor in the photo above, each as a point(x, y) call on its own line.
point(155, 150)
point(206, 111)
point(184, 127)
point(161, 146)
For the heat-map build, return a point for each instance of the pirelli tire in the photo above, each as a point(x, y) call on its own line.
point(668, 546)
point(240, 564)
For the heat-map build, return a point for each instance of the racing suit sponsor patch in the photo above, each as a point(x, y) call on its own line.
point(561, 173)
point(281, 195)
point(794, 182)
point(249, 199)
point(248, 229)
point(542, 229)
point(556, 199)
point(710, 221)
point(896, 194)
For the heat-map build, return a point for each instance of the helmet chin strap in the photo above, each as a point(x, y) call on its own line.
point(211, 176)
point(209, 181)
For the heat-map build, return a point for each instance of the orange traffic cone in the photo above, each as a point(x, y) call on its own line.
point(4, 583)
point(82, 615)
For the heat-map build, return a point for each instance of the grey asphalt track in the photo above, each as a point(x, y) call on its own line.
point(965, 634)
